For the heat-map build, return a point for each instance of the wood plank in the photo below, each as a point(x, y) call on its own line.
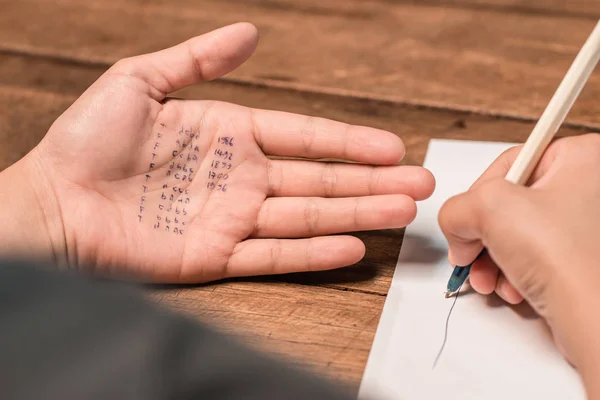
point(462, 58)
point(308, 326)
point(581, 8)
point(324, 320)
point(24, 119)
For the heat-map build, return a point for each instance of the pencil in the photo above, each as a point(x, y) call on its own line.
point(545, 130)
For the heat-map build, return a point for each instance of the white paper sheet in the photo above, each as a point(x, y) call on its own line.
point(493, 352)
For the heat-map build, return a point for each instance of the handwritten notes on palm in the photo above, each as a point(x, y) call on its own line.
point(179, 165)
point(494, 352)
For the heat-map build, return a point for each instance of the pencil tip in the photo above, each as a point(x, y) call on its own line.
point(448, 294)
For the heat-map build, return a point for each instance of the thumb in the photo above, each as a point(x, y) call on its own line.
point(202, 58)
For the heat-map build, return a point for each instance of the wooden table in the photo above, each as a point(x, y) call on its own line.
point(461, 69)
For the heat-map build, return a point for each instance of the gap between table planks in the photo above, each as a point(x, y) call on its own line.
point(325, 320)
point(446, 54)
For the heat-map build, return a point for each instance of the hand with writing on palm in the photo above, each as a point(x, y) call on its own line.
point(172, 190)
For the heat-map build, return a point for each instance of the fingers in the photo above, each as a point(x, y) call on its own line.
point(469, 219)
point(484, 274)
point(292, 178)
point(199, 59)
point(294, 217)
point(291, 135)
point(512, 222)
point(486, 278)
point(484, 217)
point(507, 291)
point(278, 256)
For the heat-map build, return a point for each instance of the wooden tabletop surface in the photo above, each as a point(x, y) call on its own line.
point(460, 69)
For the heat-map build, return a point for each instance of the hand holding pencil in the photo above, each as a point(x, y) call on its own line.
point(542, 240)
point(551, 120)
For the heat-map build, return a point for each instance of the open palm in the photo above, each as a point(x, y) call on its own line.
point(176, 190)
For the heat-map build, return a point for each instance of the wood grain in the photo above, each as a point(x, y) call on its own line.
point(308, 326)
point(472, 59)
point(416, 68)
point(569, 8)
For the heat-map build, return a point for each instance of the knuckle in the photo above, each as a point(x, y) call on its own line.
point(511, 153)
point(308, 135)
point(534, 286)
point(262, 220)
point(577, 143)
point(308, 264)
point(274, 255)
point(329, 179)
point(490, 194)
point(592, 142)
point(196, 62)
point(583, 148)
point(273, 183)
point(374, 178)
point(125, 65)
point(214, 117)
point(356, 213)
point(311, 216)
point(348, 137)
point(255, 126)
point(508, 156)
point(490, 203)
point(567, 144)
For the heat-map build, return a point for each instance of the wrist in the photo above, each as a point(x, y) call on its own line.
point(31, 219)
point(589, 365)
point(591, 380)
point(583, 335)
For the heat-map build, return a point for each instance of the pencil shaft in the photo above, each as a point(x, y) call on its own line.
point(549, 123)
point(557, 110)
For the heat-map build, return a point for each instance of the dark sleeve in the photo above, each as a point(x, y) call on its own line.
point(70, 337)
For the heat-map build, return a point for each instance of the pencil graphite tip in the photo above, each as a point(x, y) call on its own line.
point(448, 294)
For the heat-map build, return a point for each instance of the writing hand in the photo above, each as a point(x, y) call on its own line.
point(189, 191)
point(542, 241)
